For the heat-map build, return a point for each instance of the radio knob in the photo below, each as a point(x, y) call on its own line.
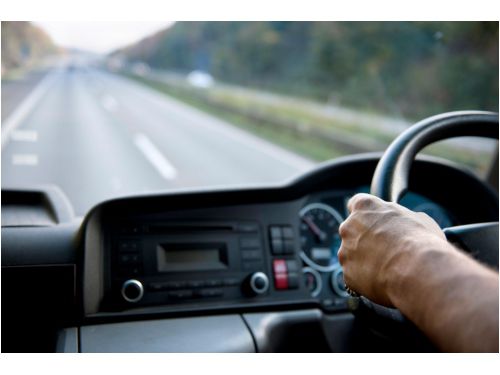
point(132, 290)
point(258, 283)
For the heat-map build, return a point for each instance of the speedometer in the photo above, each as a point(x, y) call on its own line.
point(319, 236)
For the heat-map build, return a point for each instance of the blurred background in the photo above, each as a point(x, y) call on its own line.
point(109, 109)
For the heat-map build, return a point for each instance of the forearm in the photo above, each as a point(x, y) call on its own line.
point(450, 297)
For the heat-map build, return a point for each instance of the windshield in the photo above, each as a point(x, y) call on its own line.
point(103, 110)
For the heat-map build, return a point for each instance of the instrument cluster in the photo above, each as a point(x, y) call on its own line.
point(320, 241)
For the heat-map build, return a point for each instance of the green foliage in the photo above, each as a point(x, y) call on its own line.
point(23, 44)
point(409, 69)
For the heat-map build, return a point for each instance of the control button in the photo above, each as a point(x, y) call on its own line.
point(293, 280)
point(288, 247)
point(157, 286)
point(130, 258)
point(175, 285)
point(132, 291)
point(131, 270)
point(259, 283)
point(181, 294)
point(247, 227)
point(130, 229)
point(252, 265)
point(251, 255)
point(281, 281)
point(337, 282)
point(292, 266)
point(196, 284)
point(277, 247)
point(279, 266)
point(209, 293)
point(127, 246)
point(313, 281)
point(231, 281)
point(275, 232)
point(287, 232)
point(213, 283)
point(249, 243)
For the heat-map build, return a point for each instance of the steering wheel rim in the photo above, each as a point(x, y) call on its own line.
point(390, 182)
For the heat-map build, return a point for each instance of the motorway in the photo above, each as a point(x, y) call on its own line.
point(97, 135)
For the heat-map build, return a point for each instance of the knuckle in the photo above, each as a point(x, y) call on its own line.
point(362, 201)
point(343, 229)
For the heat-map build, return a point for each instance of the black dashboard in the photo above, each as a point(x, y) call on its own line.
point(233, 252)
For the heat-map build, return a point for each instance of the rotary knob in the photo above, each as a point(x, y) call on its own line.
point(258, 283)
point(132, 290)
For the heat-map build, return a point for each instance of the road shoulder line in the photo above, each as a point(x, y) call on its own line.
point(25, 107)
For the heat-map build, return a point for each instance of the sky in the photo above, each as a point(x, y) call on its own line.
point(100, 37)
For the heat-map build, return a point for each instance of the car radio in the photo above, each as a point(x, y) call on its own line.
point(167, 263)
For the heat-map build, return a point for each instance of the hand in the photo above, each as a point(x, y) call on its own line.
point(379, 240)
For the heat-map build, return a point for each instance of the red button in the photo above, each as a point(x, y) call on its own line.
point(279, 266)
point(281, 280)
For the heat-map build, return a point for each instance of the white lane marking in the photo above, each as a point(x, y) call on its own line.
point(25, 135)
point(26, 106)
point(109, 103)
point(155, 157)
point(215, 124)
point(25, 159)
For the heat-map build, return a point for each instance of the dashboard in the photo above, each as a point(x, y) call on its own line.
point(258, 264)
point(230, 251)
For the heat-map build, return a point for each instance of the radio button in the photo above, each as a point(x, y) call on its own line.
point(251, 255)
point(249, 243)
point(281, 281)
point(277, 246)
point(212, 283)
point(231, 281)
point(209, 293)
point(181, 294)
point(287, 232)
point(157, 286)
point(252, 266)
point(275, 232)
point(130, 258)
point(175, 285)
point(288, 247)
point(247, 227)
point(195, 284)
point(293, 281)
point(127, 246)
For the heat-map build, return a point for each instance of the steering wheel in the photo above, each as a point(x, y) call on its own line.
point(390, 182)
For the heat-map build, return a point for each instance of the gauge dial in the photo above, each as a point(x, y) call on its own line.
point(312, 280)
point(319, 236)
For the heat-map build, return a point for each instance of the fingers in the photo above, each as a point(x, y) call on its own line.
point(363, 201)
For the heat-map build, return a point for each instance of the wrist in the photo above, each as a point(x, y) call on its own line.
point(417, 262)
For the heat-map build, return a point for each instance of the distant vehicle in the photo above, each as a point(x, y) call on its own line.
point(198, 78)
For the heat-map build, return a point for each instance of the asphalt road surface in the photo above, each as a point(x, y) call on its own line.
point(97, 136)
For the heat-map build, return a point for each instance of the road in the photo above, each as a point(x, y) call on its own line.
point(97, 135)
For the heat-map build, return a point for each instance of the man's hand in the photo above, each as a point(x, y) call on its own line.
point(377, 241)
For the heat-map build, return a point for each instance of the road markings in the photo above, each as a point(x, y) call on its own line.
point(25, 159)
point(26, 106)
point(109, 103)
point(155, 157)
point(24, 135)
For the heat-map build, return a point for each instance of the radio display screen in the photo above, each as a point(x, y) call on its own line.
point(191, 257)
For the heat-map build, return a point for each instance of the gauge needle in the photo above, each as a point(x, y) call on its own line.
point(314, 228)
